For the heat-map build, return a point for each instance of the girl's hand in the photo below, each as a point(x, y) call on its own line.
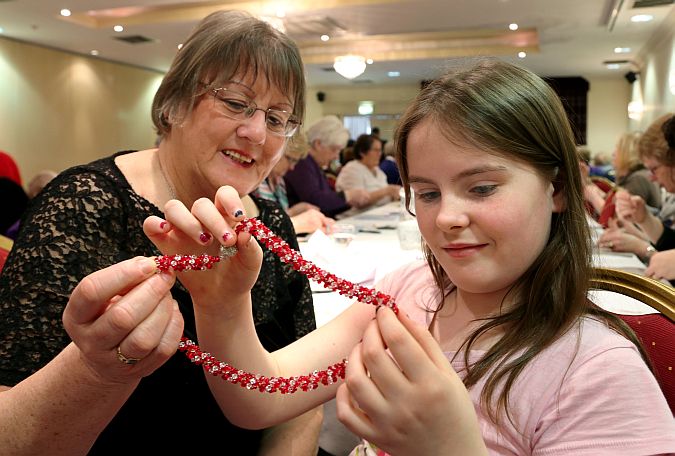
point(662, 265)
point(203, 229)
point(409, 401)
point(629, 207)
point(128, 307)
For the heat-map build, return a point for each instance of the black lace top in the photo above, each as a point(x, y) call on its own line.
point(89, 218)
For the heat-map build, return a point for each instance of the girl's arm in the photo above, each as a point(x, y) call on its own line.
point(224, 320)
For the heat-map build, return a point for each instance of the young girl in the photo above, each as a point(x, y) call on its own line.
point(516, 360)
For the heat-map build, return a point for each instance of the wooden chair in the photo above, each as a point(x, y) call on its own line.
point(5, 246)
point(603, 183)
point(656, 331)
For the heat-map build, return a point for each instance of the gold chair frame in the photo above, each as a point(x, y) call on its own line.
point(655, 294)
point(612, 185)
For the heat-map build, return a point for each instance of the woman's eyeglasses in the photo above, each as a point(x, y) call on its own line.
point(239, 107)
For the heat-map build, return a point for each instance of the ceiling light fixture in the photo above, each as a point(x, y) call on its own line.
point(641, 18)
point(393, 74)
point(325, 37)
point(369, 61)
point(118, 28)
point(65, 12)
point(94, 52)
point(350, 66)
point(522, 55)
point(513, 26)
point(621, 50)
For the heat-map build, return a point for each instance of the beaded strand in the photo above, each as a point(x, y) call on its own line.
point(289, 256)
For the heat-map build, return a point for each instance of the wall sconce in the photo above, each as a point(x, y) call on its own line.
point(350, 66)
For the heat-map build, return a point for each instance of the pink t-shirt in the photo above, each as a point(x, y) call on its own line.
point(601, 401)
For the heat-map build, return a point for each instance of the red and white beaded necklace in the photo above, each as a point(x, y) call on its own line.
point(277, 245)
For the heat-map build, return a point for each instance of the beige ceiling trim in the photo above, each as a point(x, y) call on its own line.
point(188, 12)
point(419, 46)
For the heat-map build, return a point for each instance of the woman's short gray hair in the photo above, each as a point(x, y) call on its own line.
point(224, 44)
point(329, 130)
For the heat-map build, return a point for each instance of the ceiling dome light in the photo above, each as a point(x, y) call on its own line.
point(513, 26)
point(325, 37)
point(65, 12)
point(522, 55)
point(118, 28)
point(369, 61)
point(621, 50)
point(642, 18)
point(350, 66)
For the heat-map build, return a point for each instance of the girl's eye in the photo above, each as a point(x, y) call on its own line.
point(427, 197)
point(484, 190)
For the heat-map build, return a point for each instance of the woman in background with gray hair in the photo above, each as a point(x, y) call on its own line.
point(307, 181)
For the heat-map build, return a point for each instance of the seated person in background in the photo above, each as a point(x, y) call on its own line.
point(631, 173)
point(9, 168)
point(306, 217)
point(307, 181)
point(594, 197)
point(39, 181)
point(14, 203)
point(601, 165)
point(364, 173)
point(657, 151)
point(388, 164)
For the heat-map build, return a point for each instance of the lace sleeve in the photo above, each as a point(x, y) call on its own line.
point(75, 227)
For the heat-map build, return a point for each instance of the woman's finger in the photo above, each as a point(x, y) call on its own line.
point(92, 295)
point(133, 308)
point(146, 336)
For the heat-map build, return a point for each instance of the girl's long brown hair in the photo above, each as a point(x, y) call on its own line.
point(509, 111)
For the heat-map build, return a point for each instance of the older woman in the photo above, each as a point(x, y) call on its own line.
point(307, 181)
point(631, 173)
point(364, 173)
point(233, 95)
point(657, 151)
point(306, 217)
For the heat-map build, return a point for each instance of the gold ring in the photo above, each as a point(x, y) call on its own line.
point(125, 359)
point(227, 252)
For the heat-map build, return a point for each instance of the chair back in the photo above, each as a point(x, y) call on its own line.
point(603, 183)
point(655, 331)
point(5, 246)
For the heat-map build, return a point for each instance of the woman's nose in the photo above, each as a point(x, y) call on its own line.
point(255, 127)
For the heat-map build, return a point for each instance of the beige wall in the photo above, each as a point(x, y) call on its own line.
point(607, 115)
point(59, 109)
point(655, 88)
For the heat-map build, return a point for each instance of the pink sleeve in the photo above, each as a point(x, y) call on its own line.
point(609, 404)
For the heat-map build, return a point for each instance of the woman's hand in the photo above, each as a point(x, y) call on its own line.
point(312, 220)
point(617, 240)
point(630, 208)
point(410, 402)
point(662, 265)
point(203, 229)
point(125, 307)
point(300, 207)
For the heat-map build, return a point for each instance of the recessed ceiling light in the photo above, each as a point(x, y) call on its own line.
point(513, 26)
point(393, 74)
point(93, 52)
point(369, 61)
point(613, 66)
point(180, 46)
point(522, 55)
point(641, 18)
point(325, 37)
point(118, 28)
point(65, 12)
point(621, 50)
point(281, 13)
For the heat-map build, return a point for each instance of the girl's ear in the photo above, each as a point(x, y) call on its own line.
point(559, 200)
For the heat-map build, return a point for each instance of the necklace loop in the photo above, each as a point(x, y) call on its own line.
point(284, 385)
